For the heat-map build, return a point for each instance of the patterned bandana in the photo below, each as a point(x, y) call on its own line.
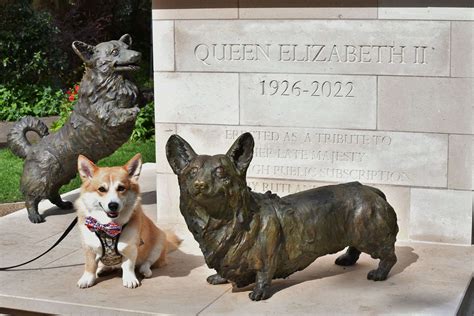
point(112, 229)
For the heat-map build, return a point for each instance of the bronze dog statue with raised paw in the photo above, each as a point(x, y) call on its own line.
point(102, 120)
point(249, 237)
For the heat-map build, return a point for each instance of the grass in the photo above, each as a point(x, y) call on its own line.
point(12, 168)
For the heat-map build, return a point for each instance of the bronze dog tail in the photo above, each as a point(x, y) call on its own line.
point(16, 138)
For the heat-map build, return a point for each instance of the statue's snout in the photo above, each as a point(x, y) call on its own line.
point(200, 185)
point(135, 56)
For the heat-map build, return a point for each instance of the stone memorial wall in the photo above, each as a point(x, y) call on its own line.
point(381, 95)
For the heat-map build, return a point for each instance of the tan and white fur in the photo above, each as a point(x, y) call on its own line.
point(112, 194)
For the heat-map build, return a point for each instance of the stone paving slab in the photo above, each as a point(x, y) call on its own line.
point(428, 279)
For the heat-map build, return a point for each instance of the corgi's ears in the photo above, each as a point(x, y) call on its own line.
point(179, 153)
point(86, 168)
point(127, 39)
point(134, 167)
point(83, 50)
point(241, 152)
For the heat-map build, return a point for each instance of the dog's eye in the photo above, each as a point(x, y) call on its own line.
point(120, 188)
point(193, 172)
point(220, 172)
point(115, 52)
point(102, 189)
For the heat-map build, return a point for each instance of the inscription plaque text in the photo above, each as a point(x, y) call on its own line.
point(371, 47)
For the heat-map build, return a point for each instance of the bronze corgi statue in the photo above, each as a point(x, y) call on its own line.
point(250, 237)
point(102, 120)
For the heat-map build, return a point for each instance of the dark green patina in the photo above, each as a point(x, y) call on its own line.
point(249, 237)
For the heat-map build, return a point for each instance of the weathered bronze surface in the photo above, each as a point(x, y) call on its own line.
point(250, 237)
point(102, 120)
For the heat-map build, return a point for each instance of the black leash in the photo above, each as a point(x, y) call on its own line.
point(66, 232)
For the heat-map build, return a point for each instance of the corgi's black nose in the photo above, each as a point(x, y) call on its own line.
point(113, 206)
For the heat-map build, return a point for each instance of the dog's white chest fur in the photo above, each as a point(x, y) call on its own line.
point(90, 240)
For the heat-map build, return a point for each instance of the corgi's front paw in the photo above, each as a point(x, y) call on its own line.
point(259, 294)
point(216, 279)
point(36, 218)
point(87, 280)
point(130, 281)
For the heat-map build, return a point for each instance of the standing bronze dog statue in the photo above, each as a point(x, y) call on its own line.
point(102, 120)
point(249, 237)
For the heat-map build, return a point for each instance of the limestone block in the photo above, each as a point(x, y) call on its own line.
point(460, 162)
point(163, 131)
point(167, 197)
point(207, 98)
point(441, 105)
point(251, 9)
point(329, 46)
point(426, 10)
point(308, 100)
point(441, 216)
point(462, 47)
point(303, 9)
point(331, 155)
point(308, 13)
point(163, 45)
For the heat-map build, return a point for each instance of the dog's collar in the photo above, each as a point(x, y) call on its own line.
point(112, 229)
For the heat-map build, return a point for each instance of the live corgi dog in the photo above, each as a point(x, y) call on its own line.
point(115, 232)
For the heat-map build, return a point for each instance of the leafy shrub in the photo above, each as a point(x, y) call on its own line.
point(33, 100)
point(66, 108)
point(93, 21)
point(145, 124)
point(28, 46)
point(35, 44)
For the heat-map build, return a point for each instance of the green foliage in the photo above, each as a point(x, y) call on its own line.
point(30, 62)
point(142, 77)
point(145, 124)
point(34, 100)
point(28, 50)
point(10, 173)
point(35, 44)
point(64, 112)
point(66, 108)
point(93, 21)
point(128, 150)
point(12, 168)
